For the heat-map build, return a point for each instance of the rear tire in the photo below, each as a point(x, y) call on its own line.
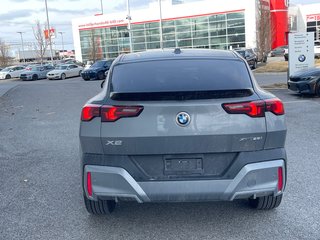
point(265, 59)
point(100, 207)
point(63, 76)
point(265, 203)
point(254, 65)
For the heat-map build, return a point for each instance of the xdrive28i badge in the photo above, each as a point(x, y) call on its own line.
point(183, 119)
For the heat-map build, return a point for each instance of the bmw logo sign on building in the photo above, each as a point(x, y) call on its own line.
point(183, 119)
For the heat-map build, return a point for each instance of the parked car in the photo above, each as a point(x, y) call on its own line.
point(261, 55)
point(35, 72)
point(97, 70)
point(279, 51)
point(65, 71)
point(88, 65)
point(249, 56)
point(286, 54)
point(306, 82)
point(11, 72)
point(182, 125)
point(73, 61)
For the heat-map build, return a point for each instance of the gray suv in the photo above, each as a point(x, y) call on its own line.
point(182, 125)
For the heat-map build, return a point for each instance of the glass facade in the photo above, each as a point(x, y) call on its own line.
point(314, 26)
point(217, 31)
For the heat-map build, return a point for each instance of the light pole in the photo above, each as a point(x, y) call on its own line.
point(129, 25)
point(160, 21)
point(101, 7)
point(49, 35)
point(24, 60)
point(62, 44)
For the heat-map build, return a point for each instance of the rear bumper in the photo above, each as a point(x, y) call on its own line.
point(255, 179)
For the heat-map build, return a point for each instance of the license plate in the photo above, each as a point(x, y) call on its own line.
point(183, 166)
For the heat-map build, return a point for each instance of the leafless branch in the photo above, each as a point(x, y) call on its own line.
point(41, 44)
point(4, 53)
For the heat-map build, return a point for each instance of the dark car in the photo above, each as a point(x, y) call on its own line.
point(97, 70)
point(306, 82)
point(279, 51)
point(249, 55)
point(182, 125)
point(262, 56)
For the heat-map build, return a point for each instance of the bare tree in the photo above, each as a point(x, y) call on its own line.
point(41, 43)
point(4, 53)
point(264, 28)
point(95, 51)
point(92, 46)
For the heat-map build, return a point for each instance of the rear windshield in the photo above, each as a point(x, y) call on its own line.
point(180, 75)
point(171, 79)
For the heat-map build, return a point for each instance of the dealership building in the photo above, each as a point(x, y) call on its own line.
point(209, 24)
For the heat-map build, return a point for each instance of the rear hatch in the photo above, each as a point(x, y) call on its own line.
point(165, 94)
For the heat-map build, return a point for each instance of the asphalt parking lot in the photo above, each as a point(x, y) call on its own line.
point(40, 196)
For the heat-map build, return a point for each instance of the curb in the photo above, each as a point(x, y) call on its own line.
point(271, 73)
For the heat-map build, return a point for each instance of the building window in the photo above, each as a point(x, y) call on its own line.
point(216, 31)
point(314, 26)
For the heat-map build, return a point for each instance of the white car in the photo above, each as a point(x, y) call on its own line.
point(11, 72)
point(65, 71)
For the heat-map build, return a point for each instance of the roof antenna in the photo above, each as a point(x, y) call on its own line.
point(177, 51)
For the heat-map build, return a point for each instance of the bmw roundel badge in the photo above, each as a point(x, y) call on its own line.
point(183, 119)
point(302, 58)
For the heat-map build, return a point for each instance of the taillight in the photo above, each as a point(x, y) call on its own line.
point(113, 113)
point(89, 184)
point(90, 111)
point(255, 108)
point(280, 179)
point(275, 106)
point(109, 113)
point(252, 109)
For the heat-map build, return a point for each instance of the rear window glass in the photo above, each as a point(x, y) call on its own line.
point(180, 76)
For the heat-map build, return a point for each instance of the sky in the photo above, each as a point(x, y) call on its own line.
point(21, 15)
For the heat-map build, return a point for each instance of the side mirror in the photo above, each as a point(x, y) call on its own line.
point(102, 83)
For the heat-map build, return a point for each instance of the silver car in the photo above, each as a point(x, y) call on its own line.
point(35, 72)
point(182, 125)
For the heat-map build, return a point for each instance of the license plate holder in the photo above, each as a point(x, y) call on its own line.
point(183, 166)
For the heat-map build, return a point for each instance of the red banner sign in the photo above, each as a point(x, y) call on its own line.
point(46, 33)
